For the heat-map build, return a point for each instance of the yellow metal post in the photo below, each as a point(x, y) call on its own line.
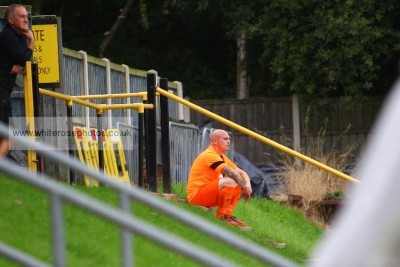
point(29, 114)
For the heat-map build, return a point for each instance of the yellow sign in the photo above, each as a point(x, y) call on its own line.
point(45, 53)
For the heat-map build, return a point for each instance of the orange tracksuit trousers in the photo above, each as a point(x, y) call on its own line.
point(225, 199)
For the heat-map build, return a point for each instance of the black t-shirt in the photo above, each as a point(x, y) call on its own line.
point(13, 51)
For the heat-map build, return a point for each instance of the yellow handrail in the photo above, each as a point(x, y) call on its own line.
point(143, 95)
point(258, 136)
point(137, 106)
point(68, 98)
point(124, 95)
point(99, 107)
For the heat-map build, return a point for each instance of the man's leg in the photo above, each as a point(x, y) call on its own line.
point(207, 196)
point(236, 195)
point(224, 201)
point(234, 192)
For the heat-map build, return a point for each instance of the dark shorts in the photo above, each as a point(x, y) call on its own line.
point(5, 106)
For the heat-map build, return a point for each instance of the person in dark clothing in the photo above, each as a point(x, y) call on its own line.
point(16, 47)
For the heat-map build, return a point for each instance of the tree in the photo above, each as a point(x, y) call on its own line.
point(182, 42)
point(242, 77)
point(323, 48)
point(108, 35)
point(314, 48)
point(241, 17)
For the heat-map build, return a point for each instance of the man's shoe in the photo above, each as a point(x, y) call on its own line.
point(236, 220)
point(229, 220)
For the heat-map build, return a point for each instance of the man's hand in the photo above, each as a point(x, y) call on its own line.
point(28, 35)
point(247, 191)
point(17, 69)
point(241, 178)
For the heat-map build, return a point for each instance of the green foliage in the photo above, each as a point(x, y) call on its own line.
point(314, 48)
point(337, 195)
point(179, 190)
point(324, 48)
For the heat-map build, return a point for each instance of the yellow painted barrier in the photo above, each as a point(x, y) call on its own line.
point(116, 155)
point(82, 146)
point(86, 140)
point(92, 145)
point(257, 136)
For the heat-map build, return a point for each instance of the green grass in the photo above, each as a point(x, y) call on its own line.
point(90, 241)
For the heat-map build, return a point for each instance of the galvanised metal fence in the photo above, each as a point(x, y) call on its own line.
point(184, 147)
point(84, 75)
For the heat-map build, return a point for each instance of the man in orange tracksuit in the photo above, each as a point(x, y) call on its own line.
point(214, 180)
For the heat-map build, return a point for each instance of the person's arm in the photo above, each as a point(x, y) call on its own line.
point(248, 188)
point(31, 39)
point(26, 55)
point(12, 46)
point(28, 51)
point(240, 177)
point(229, 172)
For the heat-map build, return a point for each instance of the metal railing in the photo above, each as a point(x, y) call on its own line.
point(122, 216)
point(184, 148)
point(258, 137)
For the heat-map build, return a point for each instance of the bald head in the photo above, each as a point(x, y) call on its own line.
point(220, 141)
point(217, 134)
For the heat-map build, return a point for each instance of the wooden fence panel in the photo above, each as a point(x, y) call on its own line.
point(272, 117)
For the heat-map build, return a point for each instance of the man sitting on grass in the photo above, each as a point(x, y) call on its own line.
point(215, 181)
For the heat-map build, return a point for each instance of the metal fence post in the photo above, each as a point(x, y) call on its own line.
point(151, 149)
point(72, 178)
point(165, 138)
point(37, 110)
point(100, 139)
point(141, 148)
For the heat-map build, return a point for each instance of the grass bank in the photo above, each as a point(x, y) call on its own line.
point(90, 241)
